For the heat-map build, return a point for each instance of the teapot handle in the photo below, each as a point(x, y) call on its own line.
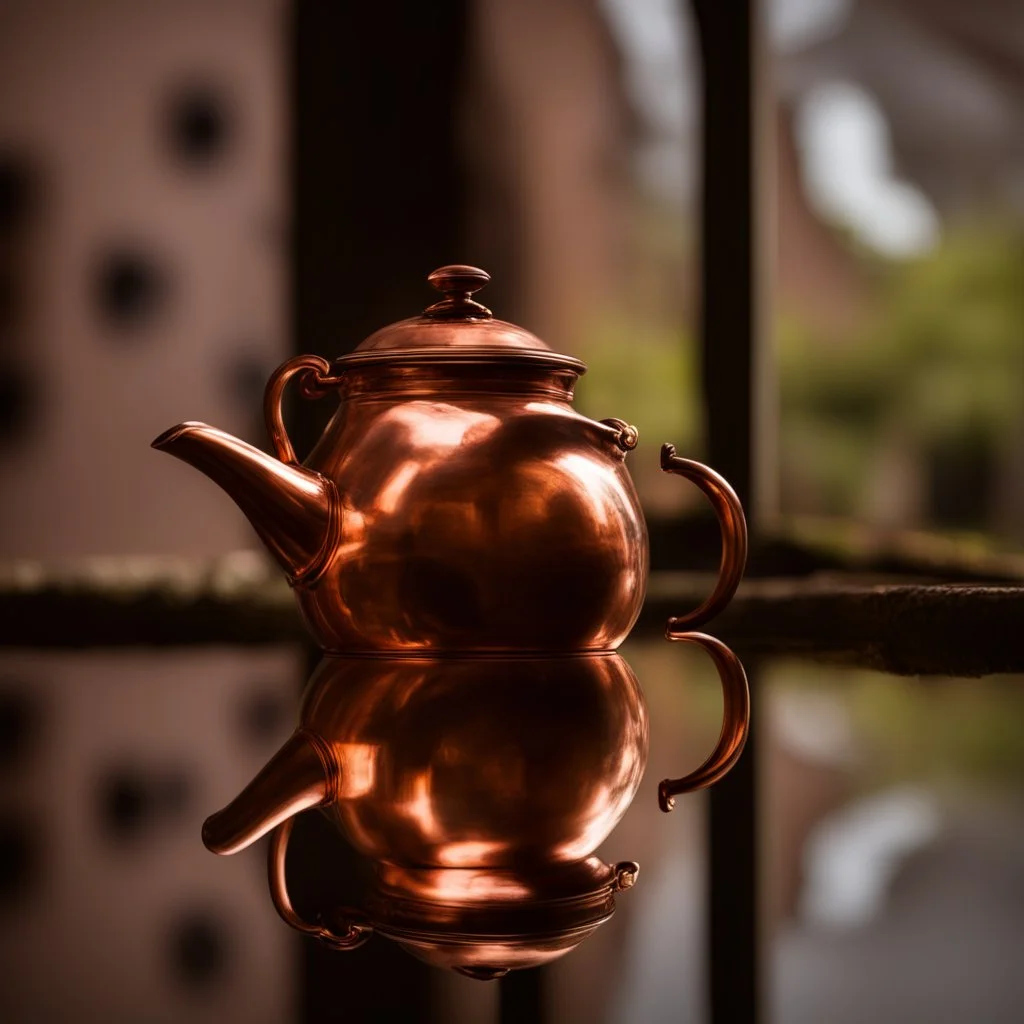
point(735, 721)
point(314, 383)
point(733, 525)
point(357, 929)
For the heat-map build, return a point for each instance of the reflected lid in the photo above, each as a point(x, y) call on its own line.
point(456, 329)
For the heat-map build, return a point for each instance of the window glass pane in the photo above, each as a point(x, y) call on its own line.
point(649, 961)
point(591, 145)
point(640, 336)
point(900, 221)
point(894, 823)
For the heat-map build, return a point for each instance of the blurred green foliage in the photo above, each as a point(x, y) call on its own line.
point(931, 374)
point(938, 362)
point(954, 732)
point(643, 373)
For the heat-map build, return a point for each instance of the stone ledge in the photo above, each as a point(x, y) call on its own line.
point(241, 599)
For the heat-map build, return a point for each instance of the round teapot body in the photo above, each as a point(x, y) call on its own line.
point(479, 762)
point(480, 521)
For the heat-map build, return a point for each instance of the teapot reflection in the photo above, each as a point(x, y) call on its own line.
point(479, 786)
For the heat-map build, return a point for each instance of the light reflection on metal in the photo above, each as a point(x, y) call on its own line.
point(469, 551)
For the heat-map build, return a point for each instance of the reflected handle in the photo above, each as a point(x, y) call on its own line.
point(357, 929)
point(735, 722)
point(314, 383)
point(733, 525)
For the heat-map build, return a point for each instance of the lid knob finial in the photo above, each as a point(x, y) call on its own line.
point(458, 283)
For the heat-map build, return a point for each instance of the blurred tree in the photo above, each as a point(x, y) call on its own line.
point(938, 371)
point(643, 372)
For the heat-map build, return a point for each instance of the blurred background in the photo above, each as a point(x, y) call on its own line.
point(192, 190)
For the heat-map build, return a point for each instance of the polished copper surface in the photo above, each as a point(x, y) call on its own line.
point(479, 786)
point(458, 328)
point(458, 283)
point(350, 927)
point(733, 525)
point(456, 762)
point(518, 919)
point(293, 510)
point(447, 520)
point(303, 774)
point(554, 909)
point(456, 501)
point(735, 721)
point(470, 551)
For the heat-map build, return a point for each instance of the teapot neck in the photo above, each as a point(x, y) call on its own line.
point(458, 378)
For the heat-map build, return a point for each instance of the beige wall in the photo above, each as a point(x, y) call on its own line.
point(93, 930)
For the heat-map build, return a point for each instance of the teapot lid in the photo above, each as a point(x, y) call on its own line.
point(456, 329)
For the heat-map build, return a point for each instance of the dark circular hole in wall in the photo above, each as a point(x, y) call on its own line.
point(200, 124)
point(199, 949)
point(131, 288)
point(19, 190)
point(18, 401)
point(132, 800)
point(19, 858)
point(20, 716)
point(245, 379)
point(264, 714)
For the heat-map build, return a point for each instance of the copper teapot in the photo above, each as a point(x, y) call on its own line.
point(469, 551)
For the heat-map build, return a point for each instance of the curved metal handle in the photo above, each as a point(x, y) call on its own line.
point(357, 928)
point(733, 525)
point(735, 721)
point(315, 381)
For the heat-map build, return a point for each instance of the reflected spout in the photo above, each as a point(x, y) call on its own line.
point(302, 774)
point(294, 510)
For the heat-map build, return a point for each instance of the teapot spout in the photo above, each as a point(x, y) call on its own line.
point(302, 774)
point(293, 510)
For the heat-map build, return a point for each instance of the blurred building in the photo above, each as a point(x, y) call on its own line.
point(143, 277)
